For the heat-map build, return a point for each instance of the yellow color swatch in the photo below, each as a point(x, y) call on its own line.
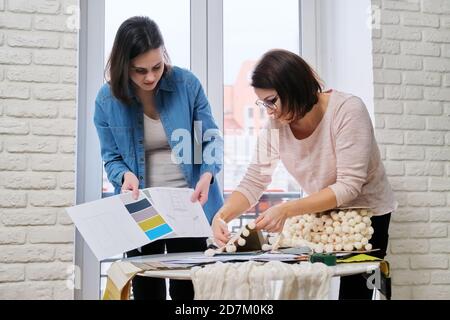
point(151, 223)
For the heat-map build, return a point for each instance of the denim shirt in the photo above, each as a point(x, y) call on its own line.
point(181, 102)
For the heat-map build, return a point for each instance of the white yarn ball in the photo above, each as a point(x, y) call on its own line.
point(319, 248)
point(329, 248)
point(329, 230)
point(357, 245)
point(368, 247)
point(230, 248)
point(348, 247)
point(317, 238)
point(338, 247)
point(364, 241)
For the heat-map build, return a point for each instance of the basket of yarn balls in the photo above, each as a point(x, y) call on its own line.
point(331, 231)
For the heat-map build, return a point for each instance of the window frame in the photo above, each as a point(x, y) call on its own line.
point(206, 62)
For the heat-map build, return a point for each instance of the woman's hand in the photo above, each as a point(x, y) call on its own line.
point(202, 188)
point(220, 231)
point(272, 220)
point(130, 183)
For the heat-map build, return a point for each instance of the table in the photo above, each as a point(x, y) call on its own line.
point(340, 270)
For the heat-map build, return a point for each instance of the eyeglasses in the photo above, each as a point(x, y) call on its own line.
point(268, 104)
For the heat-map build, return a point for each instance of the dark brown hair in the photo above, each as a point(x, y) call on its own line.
point(136, 36)
point(296, 83)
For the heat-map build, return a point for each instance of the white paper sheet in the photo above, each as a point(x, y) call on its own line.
point(107, 227)
point(187, 218)
point(111, 227)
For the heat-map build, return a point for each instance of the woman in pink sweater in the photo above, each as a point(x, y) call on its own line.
point(326, 142)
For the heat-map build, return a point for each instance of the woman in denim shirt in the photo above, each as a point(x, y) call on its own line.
point(146, 115)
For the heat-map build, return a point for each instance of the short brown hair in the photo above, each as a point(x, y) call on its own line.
point(136, 35)
point(296, 83)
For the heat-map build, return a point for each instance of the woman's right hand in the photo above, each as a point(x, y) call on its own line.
point(130, 183)
point(220, 231)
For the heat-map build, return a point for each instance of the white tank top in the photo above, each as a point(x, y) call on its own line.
point(159, 168)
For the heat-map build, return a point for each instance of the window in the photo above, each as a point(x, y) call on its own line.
point(194, 39)
point(164, 13)
point(250, 28)
point(177, 42)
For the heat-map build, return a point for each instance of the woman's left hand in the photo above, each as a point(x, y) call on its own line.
point(202, 188)
point(272, 220)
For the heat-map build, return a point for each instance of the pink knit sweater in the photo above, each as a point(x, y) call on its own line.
point(341, 154)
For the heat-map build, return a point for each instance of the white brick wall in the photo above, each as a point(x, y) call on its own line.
point(412, 109)
point(37, 135)
point(37, 144)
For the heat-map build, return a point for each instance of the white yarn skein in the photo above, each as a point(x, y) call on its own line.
point(341, 229)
